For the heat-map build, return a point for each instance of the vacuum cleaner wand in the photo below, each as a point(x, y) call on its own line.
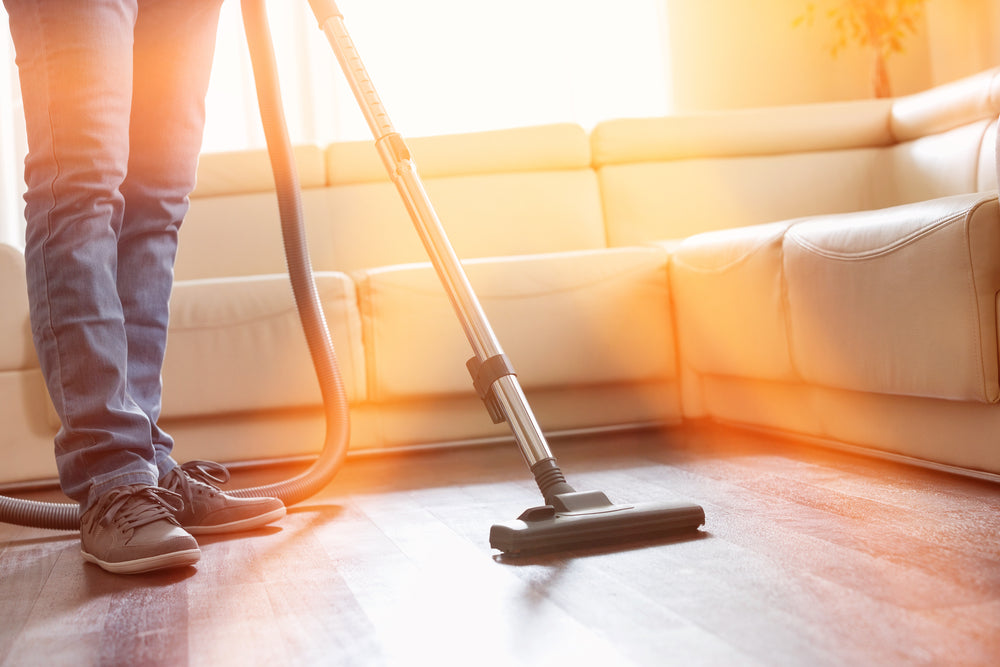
point(569, 518)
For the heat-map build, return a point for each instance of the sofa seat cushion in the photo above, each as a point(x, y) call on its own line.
point(729, 303)
point(564, 319)
point(900, 300)
point(236, 345)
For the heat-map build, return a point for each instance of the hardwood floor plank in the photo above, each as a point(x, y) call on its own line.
point(511, 624)
point(808, 557)
point(279, 597)
point(26, 563)
point(232, 624)
point(582, 589)
point(318, 615)
point(971, 558)
point(65, 622)
point(759, 603)
point(899, 593)
point(145, 623)
point(704, 582)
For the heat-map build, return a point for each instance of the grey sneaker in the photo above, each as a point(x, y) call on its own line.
point(207, 509)
point(132, 529)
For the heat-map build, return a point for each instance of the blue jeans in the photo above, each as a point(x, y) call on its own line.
point(114, 96)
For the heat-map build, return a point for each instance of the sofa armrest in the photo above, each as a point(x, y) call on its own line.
point(899, 301)
point(16, 349)
point(946, 107)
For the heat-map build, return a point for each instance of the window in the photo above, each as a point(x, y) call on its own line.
point(445, 66)
point(440, 66)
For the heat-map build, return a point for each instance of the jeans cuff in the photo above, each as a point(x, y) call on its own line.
point(99, 488)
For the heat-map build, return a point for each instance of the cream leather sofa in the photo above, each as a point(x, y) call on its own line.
point(828, 272)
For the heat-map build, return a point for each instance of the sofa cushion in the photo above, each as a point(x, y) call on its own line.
point(558, 147)
point(509, 192)
point(781, 130)
point(671, 177)
point(487, 215)
point(986, 173)
point(566, 319)
point(238, 234)
point(29, 426)
point(245, 172)
point(650, 201)
point(935, 166)
point(729, 303)
point(16, 349)
point(237, 345)
point(900, 300)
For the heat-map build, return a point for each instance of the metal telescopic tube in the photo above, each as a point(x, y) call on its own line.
point(404, 175)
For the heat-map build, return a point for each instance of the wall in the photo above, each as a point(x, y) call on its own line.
point(744, 53)
point(963, 37)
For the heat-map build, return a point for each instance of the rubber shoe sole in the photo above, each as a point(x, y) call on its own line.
point(184, 558)
point(239, 525)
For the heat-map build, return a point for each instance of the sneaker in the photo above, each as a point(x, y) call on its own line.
point(132, 529)
point(207, 509)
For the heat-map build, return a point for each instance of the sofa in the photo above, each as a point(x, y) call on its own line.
point(826, 272)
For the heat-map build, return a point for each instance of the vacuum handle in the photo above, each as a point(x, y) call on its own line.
point(324, 10)
point(331, 21)
point(509, 397)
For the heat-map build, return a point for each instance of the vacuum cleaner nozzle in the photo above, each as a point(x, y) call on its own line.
point(583, 519)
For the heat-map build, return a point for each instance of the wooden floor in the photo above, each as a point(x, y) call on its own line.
point(809, 557)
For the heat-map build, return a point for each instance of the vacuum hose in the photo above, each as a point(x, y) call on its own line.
point(65, 516)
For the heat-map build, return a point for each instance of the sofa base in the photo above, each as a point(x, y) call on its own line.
point(863, 451)
point(445, 420)
point(959, 435)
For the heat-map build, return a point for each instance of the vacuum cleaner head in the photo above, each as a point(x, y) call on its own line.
point(590, 519)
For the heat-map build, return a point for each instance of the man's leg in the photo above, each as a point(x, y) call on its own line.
point(75, 65)
point(174, 44)
point(174, 47)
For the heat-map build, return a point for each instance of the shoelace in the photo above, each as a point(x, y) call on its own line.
point(202, 473)
point(207, 472)
point(133, 508)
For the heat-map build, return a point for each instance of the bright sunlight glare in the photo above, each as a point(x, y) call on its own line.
point(444, 66)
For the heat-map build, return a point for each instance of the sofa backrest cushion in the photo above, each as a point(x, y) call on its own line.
point(987, 177)
point(936, 165)
point(232, 227)
point(743, 133)
point(946, 138)
point(508, 192)
point(488, 215)
point(674, 199)
point(670, 177)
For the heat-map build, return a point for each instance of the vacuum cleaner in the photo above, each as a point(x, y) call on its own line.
point(568, 518)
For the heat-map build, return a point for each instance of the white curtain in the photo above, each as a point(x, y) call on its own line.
point(440, 66)
point(12, 145)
